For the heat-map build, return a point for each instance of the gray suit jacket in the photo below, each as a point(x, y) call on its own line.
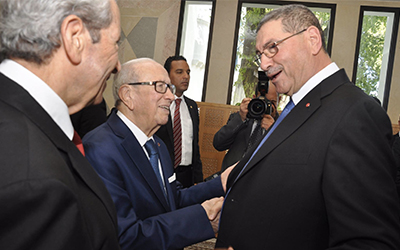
point(234, 137)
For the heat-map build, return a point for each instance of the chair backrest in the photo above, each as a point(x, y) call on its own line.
point(212, 117)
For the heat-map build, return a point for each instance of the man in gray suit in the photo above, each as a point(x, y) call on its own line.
point(57, 57)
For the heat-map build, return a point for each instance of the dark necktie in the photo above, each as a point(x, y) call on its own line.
point(152, 150)
point(256, 135)
point(78, 142)
point(177, 132)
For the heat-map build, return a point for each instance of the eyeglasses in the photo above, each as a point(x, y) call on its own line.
point(271, 49)
point(159, 86)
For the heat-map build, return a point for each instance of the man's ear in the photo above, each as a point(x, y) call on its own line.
point(125, 93)
point(315, 39)
point(73, 34)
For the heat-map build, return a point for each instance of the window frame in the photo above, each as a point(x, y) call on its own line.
point(210, 36)
point(392, 50)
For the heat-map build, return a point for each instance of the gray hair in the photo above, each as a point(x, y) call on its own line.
point(130, 72)
point(295, 17)
point(30, 29)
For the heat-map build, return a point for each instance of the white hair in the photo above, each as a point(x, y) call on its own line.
point(30, 29)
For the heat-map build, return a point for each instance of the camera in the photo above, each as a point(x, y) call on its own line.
point(260, 105)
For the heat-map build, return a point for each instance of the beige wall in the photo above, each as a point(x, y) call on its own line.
point(167, 14)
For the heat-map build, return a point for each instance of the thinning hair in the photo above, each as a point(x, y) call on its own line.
point(294, 17)
point(167, 64)
point(131, 71)
point(30, 29)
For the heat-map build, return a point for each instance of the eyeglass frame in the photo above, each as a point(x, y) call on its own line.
point(272, 45)
point(171, 87)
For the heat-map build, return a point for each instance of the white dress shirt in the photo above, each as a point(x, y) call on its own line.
point(314, 81)
point(41, 92)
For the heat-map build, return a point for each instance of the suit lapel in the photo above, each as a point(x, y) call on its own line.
point(135, 152)
point(298, 116)
point(190, 108)
point(21, 100)
point(170, 129)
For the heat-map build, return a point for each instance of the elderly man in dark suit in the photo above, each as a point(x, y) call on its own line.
point(51, 198)
point(324, 175)
point(181, 132)
point(153, 211)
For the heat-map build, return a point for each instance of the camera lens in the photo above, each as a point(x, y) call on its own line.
point(256, 107)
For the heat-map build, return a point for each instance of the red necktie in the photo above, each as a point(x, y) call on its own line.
point(78, 142)
point(177, 134)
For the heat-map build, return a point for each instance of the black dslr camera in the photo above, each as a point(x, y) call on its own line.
point(260, 105)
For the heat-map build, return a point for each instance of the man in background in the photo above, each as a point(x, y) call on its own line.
point(153, 212)
point(323, 177)
point(89, 118)
point(181, 133)
point(58, 55)
point(241, 133)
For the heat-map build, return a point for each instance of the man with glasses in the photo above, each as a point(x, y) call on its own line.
point(153, 213)
point(323, 177)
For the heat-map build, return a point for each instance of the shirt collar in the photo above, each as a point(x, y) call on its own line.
point(41, 92)
point(139, 134)
point(314, 81)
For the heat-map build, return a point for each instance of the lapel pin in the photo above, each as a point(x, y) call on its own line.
point(158, 143)
point(191, 106)
point(308, 105)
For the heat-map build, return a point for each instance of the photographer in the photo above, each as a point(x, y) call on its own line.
point(237, 135)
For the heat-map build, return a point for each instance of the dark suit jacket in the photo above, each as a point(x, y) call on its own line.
point(324, 179)
point(89, 118)
point(50, 196)
point(146, 220)
point(235, 137)
point(396, 152)
point(166, 134)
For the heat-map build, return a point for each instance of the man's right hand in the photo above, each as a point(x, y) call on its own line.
point(243, 108)
point(213, 207)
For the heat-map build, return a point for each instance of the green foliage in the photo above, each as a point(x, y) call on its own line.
point(371, 52)
point(248, 69)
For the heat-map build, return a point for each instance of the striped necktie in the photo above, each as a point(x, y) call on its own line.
point(177, 132)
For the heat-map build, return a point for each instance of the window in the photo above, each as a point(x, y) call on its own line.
point(194, 43)
point(244, 77)
point(373, 62)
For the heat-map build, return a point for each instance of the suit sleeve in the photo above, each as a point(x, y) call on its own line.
point(224, 138)
point(359, 168)
point(166, 230)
